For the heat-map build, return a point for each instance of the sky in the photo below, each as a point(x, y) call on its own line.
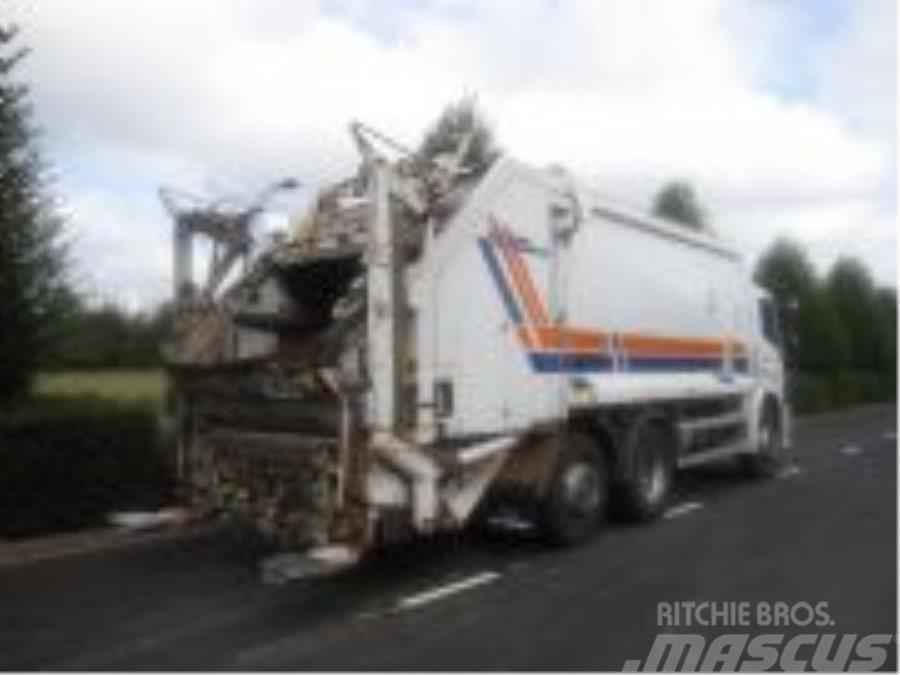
point(781, 114)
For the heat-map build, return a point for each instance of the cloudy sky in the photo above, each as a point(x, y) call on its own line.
point(782, 114)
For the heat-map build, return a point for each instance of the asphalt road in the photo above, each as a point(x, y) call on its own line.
point(824, 531)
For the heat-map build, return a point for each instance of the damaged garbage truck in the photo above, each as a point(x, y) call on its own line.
point(432, 341)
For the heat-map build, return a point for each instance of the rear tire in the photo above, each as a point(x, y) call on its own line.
point(576, 499)
point(650, 471)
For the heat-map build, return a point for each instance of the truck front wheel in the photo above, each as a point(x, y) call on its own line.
point(576, 498)
point(650, 471)
point(770, 455)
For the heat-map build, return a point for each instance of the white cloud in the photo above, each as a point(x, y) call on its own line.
point(120, 247)
point(628, 93)
point(859, 72)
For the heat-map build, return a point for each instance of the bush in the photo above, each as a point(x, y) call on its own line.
point(65, 463)
point(847, 388)
point(810, 393)
point(887, 386)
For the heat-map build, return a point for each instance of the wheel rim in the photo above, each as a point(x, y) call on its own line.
point(581, 489)
point(765, 437)
point(768, 439)
point(652, 475)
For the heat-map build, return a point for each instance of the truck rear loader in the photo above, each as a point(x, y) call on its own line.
point(434, 341)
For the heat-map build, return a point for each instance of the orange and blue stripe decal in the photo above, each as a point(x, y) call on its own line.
point(509, 301)
point(556, 349)
point(520, 276)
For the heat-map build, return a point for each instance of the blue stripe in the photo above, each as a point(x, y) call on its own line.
point(558, 362)
point(505, 293)
point(669, 363)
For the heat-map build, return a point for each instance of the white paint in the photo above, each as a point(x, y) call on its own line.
point(381, 312)
point(889, 435)
point(425, 597)
point(790, 471)
point(682, 509)
point(462, 498)
point(851, 450)
point(418, 468)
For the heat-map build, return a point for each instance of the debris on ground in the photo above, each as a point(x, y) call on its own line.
point(172, 516)
point(283, 568)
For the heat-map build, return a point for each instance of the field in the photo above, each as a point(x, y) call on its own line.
point(120, 385)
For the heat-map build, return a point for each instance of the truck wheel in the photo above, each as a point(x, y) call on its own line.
point(576, 498)
point(644, 491)
point(771, 454)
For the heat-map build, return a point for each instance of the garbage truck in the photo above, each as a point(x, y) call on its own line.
point(431, 342)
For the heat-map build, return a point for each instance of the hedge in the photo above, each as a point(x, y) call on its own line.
point(811, 393)
point(66, 463)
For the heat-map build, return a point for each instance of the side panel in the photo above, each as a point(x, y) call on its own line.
point(676, 317)
point(472, 314)
point(645, 315)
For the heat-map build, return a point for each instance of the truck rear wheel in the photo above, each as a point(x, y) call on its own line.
point(576, 498)
point(650, 471)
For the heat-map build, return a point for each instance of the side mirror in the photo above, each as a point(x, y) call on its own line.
point(791, 338)
point(563, 221)
point(787, 318)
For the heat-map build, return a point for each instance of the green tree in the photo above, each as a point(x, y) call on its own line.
point(456, 121)
point(851, 295)
point(31, 252)
point(108, 337)
point(886, 308)
point(785, 271)
point(677, 202)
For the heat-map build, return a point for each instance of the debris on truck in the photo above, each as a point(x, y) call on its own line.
point(432, 340)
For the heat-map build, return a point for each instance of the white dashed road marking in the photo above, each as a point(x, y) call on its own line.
point(423, 598)
point(889, 435)
point(682, 509)
point(851, 450)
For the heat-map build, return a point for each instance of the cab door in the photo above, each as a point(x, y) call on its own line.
point(770, 352)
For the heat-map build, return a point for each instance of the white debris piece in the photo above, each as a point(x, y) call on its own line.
point(148, 520)
point(282, 568)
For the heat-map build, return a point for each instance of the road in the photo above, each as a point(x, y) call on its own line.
point(824, 531)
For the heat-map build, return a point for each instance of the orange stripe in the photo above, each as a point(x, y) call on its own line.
point(495, 236)
point(530, 287)
point(524, 333)
point(570, 339)
point(643, 344)
point(564, 338)
point(520, 281)
point(516, 273)
point(738, 348)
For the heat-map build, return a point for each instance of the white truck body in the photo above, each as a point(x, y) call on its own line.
point(513, 308)
point(631, 308)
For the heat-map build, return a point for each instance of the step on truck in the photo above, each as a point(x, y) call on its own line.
point(432, 342)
